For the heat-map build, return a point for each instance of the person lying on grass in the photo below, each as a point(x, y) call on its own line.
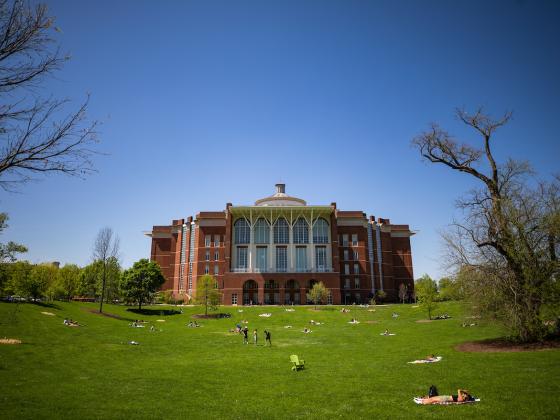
point(461, 397)
point(429, 359)
point(70, 323)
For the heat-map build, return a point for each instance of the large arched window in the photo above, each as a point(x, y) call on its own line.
point(301, 232)
point(281, 232)
point(261, 231)
point(242, 232)
point(321, 232)
point(292, 284)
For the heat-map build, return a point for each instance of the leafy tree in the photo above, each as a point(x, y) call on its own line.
point(381, 295)
point(67, 281)
point(8, 251)
point(16, 275)
point(511, 228)
point(38, 135)
point(87, 281)
point(37, 281)
point(207, 293)
point(450, 288)
point(403, 292)
point(140, 282)
point(427, 293)
point(318, 294)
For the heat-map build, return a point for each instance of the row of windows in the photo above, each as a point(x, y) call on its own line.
point(216, 269)
point(356, 283)
point(282, 258)
point(347, 268)
point(216, 255)
point(281, 232)
point(344, 239)
point(208, 241)
point(355, 254)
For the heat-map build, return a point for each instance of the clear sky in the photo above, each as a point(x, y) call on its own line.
point(208, 102)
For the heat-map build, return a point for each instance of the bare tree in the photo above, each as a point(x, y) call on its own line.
point(37, 135)
point(106, 247)
point(403, 292)
point(510, 229)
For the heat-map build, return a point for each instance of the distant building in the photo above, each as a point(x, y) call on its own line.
point(274, 251)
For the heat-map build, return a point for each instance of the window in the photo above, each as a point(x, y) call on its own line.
point(207, 269)
point(354, 239)
point(345, 240)
point(216, 241)
point(216, 269)
point(358, 298)
point(234, 298)
point(281, 232)
point(261, 258)
point(207, 239)
point(241, 257)
point(356, 268)
point(321, 258)
point(321, 232)
point(356, 255)
point(207, 256)
point(347, 283)
point(216, 255)
point(329, 298)
point(242, 232)
point(261, 232)
point(301, 232)
point(345, 255)
point(357, 283)
point(346, 268)
point(301, 258)
point(281, 259)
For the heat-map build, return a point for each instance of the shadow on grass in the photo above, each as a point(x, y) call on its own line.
point(151, 312)
point(212, 316)
point(46, 305)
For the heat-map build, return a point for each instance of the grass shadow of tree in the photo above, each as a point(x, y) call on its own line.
point(154, 312)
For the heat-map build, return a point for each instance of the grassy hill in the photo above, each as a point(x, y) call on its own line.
point(351, 370)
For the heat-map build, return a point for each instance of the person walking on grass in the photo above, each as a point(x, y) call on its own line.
point(245, 335)
point(255, 336)
point(267, 337)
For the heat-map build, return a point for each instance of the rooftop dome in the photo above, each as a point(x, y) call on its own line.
point(280, 198)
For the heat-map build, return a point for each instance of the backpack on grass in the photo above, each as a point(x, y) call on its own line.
point(433, 391)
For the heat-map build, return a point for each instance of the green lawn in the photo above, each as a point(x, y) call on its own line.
point(351, 371)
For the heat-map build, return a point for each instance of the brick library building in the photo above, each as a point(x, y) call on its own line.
point(275, 250)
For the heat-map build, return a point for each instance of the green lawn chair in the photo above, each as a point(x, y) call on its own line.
point(298, 363)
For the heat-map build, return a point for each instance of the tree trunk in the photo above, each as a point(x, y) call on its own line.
point(102, 290)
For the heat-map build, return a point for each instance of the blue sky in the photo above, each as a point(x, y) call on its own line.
point(208, 102)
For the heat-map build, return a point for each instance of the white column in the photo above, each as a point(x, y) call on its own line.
point(312, 246)
point(250, 250)
point(290, 254)
point(271, 266)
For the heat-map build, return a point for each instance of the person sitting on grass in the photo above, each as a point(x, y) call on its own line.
point(462, 396)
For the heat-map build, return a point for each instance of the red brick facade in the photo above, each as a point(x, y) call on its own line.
point(354, 256)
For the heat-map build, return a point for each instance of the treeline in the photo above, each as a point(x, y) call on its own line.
point(48, 281)
point(138, 285)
